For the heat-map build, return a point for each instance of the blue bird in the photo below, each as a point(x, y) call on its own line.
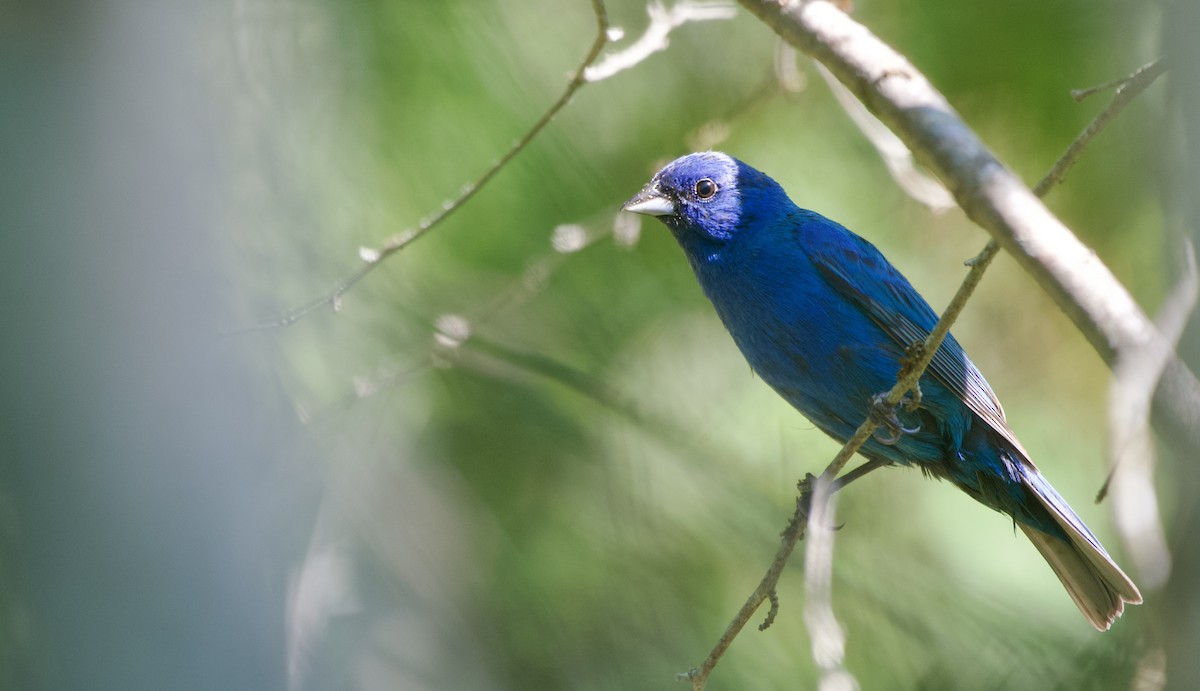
point(825, 320)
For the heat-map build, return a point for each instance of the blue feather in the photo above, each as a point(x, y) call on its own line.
point(825, 320)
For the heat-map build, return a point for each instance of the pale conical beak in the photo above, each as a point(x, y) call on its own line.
point(650, 202)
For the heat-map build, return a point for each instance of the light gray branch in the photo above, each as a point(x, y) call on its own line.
point(895, 155)
point(1132, 456)
point(826, 636)
point(663, 21)
point(989, 193)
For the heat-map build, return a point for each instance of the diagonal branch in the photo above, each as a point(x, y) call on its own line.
point(372, 258)
point(990, 194)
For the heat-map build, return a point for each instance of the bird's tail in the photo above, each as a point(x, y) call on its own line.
point(1097, 585)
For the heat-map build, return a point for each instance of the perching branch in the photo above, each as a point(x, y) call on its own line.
point(907, 380)
point(372, 257)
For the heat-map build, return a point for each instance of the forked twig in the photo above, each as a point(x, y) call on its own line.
point(1154, 67)
point(1128, 88)
point(663, 21)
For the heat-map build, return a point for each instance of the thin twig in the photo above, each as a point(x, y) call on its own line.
point(1128, 89)
point(655, 39)
point(1156, 65)
point(791, 535)
point(765, 590)
point(374, 257)
point(909, 375)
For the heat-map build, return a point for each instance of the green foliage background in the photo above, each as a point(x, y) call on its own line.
point(581, 493)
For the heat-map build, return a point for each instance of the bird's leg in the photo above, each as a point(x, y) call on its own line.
point(913, 351)
point(884, 415)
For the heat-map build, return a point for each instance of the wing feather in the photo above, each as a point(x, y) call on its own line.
point(860, 273)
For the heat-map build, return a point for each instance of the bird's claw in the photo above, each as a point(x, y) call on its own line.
point(884, 415)
point(912, 400)
point(912, 352)
point(912, 355)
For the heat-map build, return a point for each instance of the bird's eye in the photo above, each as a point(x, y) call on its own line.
point(705, 188)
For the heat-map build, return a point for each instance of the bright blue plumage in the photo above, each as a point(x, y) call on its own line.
point(825, 320)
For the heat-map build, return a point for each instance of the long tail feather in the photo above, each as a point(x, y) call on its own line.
point(1097, 585)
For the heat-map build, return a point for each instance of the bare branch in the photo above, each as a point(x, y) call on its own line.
point(1132, 458)
point(991, 195)
point(826, 635)
point(1157, 67)
point(765, 591)
point(766, 587)
point(656, 37)
point(372, 258)
point(1128, 88)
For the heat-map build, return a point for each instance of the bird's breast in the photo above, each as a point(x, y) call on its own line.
point(810, 344)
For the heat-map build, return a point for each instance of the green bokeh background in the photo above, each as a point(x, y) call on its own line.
point(581, 493)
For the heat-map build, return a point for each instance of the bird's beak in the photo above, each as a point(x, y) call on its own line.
point(650, 202)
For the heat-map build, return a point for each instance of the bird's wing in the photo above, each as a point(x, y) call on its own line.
point(856, 270)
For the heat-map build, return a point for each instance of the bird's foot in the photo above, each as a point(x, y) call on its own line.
point(912, 399)
point(912, 355)
point(912, 352)
point(884, 415)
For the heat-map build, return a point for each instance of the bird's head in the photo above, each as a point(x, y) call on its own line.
point(709, 199)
